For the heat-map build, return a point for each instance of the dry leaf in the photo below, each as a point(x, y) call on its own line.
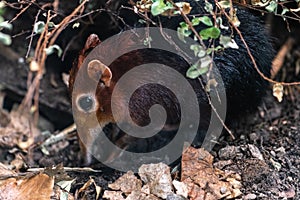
point(18, 162)
point(203, 181)
point(20, 126)
point(5, 171)
point(113, 195)
point(38, 187)
point(86, 186)
point(181, 188)
point(60, 194)
point(158, 177)
point(186, 8)
point(138, 195)
point(127, 183)
point(278, 91)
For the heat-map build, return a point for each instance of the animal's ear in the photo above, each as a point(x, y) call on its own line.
point(91, 42)
point(99, 71)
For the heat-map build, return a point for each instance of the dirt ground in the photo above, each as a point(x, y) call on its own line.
point(265, 153)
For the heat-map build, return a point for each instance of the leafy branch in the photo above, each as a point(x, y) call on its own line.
point(45, 45)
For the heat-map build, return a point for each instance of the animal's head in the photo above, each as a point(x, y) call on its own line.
point(92, 82)
point(88, 101)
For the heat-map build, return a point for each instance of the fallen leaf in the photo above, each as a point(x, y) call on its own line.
point(278, 91)
point(113, 195)
point(203, 180)
point(38, 187)
point(158, 177)
point(181, 188)
point(127, 183)
point(138, 195)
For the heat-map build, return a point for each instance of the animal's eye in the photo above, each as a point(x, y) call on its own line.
point(86, 103)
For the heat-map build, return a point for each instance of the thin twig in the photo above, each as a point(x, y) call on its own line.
point(68, 169)
point(280, 57)
point(22, 11)
point(31, 35)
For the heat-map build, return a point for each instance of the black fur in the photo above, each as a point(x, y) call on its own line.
point(244, 86)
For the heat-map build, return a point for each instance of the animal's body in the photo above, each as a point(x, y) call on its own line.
point(243, 85)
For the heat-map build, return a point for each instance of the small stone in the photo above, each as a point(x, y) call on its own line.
point(280, 151)
point(175, 197)
point(255, 152)
point(158, 177)
point(126, 183)
point(234, 183)
point(273, 153)
point(253, 137)
point(146, 189)
point(250, 196)
point(181, 188)
point(113, 195)
point(290, 178)
point(242, 137)
point(228, 152)
point(223, 190)
point(234, 194)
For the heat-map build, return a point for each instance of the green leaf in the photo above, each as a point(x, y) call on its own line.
point(6, 25)
point(5, 39)
point(218, 48)
point(194, 72)
point(212, 32)
point(209, 50)
point(272, 6)
point(199, 51)
point(2, 4)
point(214, 49)
point(39, 27)
point(76, 25)
point(52, 49)
point(196, 21)
point(142, 21)
point(183, 25)
point(2, 8)
point(284, 10)
point(147, 41)
point(205, 61)
point(220, 23)
point(205, 20)
point(199, 68)
point(183, 31)
point(159, 6)
point(224, 4)
point(228, 42)
point(211, 83)
point(51, 24)
point(235, 20)
point(169, 6)
point(208, 7)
